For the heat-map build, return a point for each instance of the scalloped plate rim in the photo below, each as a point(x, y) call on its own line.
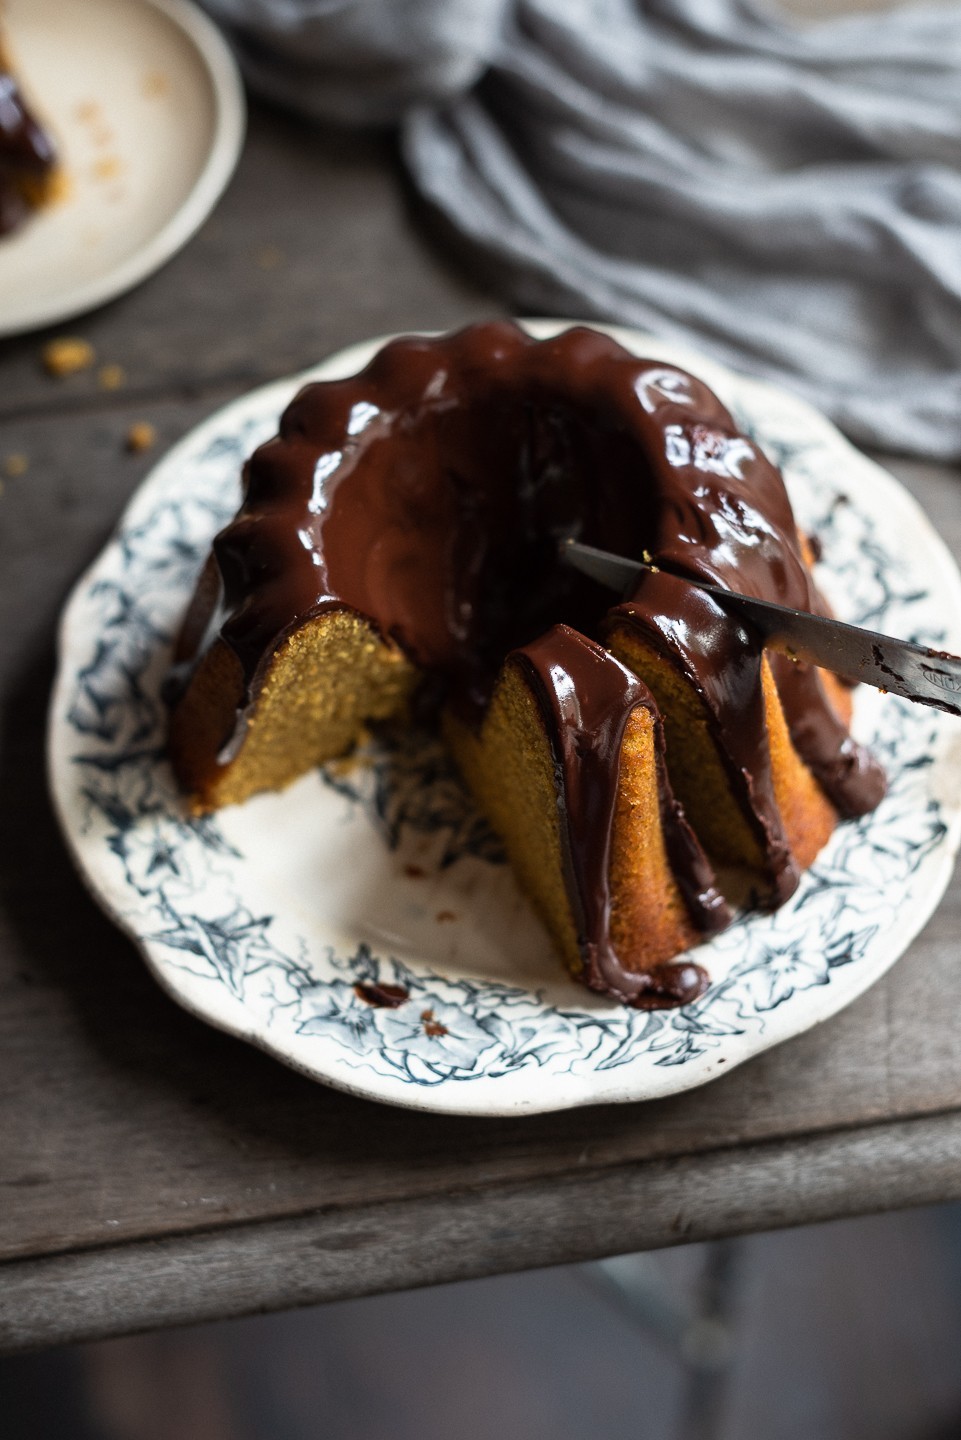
point(564, 1091)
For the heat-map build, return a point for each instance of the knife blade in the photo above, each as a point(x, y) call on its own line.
point(930, 677)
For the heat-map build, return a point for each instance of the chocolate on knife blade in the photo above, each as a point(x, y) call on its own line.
point(930, 677)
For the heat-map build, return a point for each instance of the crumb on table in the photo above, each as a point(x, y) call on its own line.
point(268, 257)
point(15, 465)
point(68, 354)
point(141, 436)
point(111, 377)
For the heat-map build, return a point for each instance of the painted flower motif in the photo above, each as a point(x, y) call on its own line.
point(636, 1037)
point(535, 1038)
point(685, 1048)
point(111, 701)
point(167, 548)
point(153, 859)
point(784, 973)
point(224, 451)
point(409, 784)
point(205, 830)
point(335, 1012)
point(128, 787)
point(231, 948)
point(847, 941)
point(435, 1032)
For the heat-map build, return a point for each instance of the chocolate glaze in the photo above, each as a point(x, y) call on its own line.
point(722, 659)
point(726, 517)
point(429, 494)
point(26, 152)
point(586, 697)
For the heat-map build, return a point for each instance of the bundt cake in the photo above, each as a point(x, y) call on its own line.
point(27, 158)
point(402, 532)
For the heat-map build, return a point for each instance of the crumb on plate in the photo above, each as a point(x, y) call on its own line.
point(155, 84)
point(108, 167)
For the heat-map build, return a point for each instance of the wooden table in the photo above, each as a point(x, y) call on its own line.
point(153, 1171)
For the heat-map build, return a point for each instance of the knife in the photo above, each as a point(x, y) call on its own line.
point(931, 677)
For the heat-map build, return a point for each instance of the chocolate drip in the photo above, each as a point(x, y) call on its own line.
point(26, 153)
point(727, 519)
point(847, 772)
point(429, 493)
point(586, 698)
point(722, 659)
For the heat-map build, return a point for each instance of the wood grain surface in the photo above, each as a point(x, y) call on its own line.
point(153, 1171)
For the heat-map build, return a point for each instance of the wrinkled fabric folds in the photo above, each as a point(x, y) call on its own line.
point(787, 199)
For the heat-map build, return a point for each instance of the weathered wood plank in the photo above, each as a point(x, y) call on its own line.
point(372, 1248)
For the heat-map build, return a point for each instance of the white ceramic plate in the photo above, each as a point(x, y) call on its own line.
point(146, 106)
point(265, 917)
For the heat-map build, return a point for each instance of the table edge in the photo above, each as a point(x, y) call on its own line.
point(327, 1255)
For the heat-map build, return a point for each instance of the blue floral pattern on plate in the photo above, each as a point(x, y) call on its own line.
point(235, 945)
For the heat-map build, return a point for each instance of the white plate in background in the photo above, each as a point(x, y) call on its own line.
point(145, 104)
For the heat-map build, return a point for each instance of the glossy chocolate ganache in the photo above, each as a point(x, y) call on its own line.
point(586, 698)
point(27, 157)
point(429, 494)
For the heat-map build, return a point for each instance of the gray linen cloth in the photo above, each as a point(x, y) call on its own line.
point(787, 199)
